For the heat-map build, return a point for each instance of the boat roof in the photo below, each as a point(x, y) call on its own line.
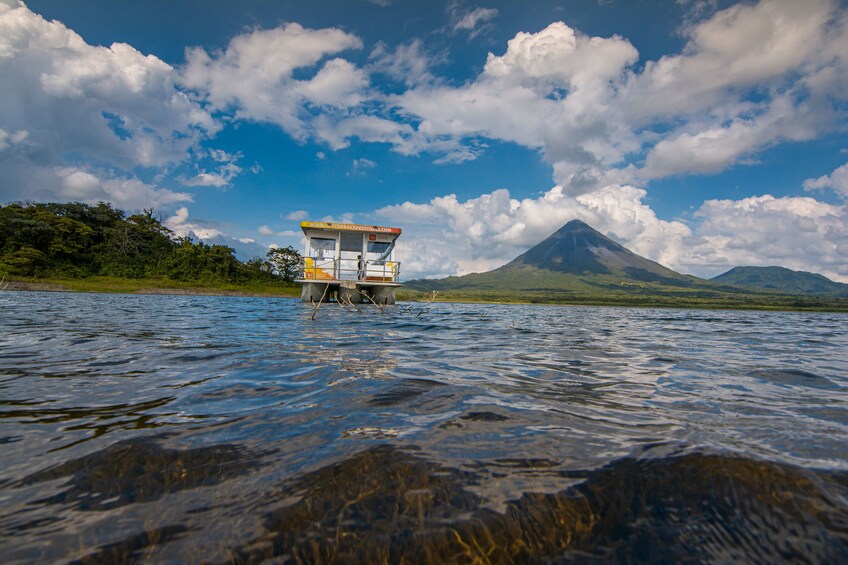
point(333, 226)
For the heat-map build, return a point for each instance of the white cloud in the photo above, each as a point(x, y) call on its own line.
point(111, 107)
point(297, 215)
point(71, 96)
point(749, 77)
point(710, 149)
point(361, 167)
point(339, 83)
point(560, 57)
point(363, 164)
point(552, 91)
point(338, 133)
point(473, 21)
point(741, 47)
point(837, 180)
point(245, 248)
point(74, 184)
point(206, 179)
point(408, 63)
point(267, 231)
point(800, 233)
point(226, 170)
point(179, 224)
point(254, 76)
point(10, 140)
point(446, 236)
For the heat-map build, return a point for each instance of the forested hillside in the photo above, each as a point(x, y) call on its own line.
point(781, 279)
point(76, 240)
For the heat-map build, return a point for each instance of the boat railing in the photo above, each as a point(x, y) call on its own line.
point(323, 269)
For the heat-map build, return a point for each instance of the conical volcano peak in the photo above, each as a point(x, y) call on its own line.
point(575, 225)
point(574, 256)
point(578, 248)
point(582, 234)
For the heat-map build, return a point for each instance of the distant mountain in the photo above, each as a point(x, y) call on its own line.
point(578, 249)
point(575, 258)
point(781, 279)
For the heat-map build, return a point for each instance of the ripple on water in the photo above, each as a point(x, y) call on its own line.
point(795, 378)
point(221, 429)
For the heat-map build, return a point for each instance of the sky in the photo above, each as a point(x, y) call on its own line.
point(702, 134)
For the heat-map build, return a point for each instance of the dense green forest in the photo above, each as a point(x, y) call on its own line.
point(76, 241)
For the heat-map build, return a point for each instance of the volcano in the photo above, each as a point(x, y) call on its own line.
point(575, 257)
point(578, 249)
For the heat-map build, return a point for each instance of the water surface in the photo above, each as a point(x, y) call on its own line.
point(224, 429)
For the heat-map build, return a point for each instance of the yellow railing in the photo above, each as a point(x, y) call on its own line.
point(310, 269)
point(319, 269)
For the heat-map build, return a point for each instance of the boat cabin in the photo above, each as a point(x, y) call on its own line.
point(349, 263)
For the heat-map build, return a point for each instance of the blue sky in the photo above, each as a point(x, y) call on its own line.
point(702, 134)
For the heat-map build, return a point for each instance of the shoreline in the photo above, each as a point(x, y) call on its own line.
point(153, 287)
point(140, 287)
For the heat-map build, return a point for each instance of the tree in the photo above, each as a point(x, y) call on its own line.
point(286, 261)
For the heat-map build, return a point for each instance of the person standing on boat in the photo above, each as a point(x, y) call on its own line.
point(360, 267)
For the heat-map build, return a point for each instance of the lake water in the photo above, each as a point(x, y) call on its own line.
point(177, 429)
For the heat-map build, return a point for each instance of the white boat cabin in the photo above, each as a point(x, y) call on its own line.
point(349, 262)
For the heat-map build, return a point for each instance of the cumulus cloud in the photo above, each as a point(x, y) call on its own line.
point(112, 106)
point(338, 133)
point(560, 57)
point(710, 149)
point(748, 77)
point(254, 76)
point(800, 233)
point(740, 47)
point(91, 186)
point(180, 224)
point(446, 236)
point(80, 185)
point(550, 91)
point(73, 96)
point(837, 181)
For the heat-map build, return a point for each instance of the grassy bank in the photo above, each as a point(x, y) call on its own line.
point(153, 286)
point(729, 301)
point(777, 302)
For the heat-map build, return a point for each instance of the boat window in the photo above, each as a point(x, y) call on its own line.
point(322, 246)
point(378, 247)
point(351, 242)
